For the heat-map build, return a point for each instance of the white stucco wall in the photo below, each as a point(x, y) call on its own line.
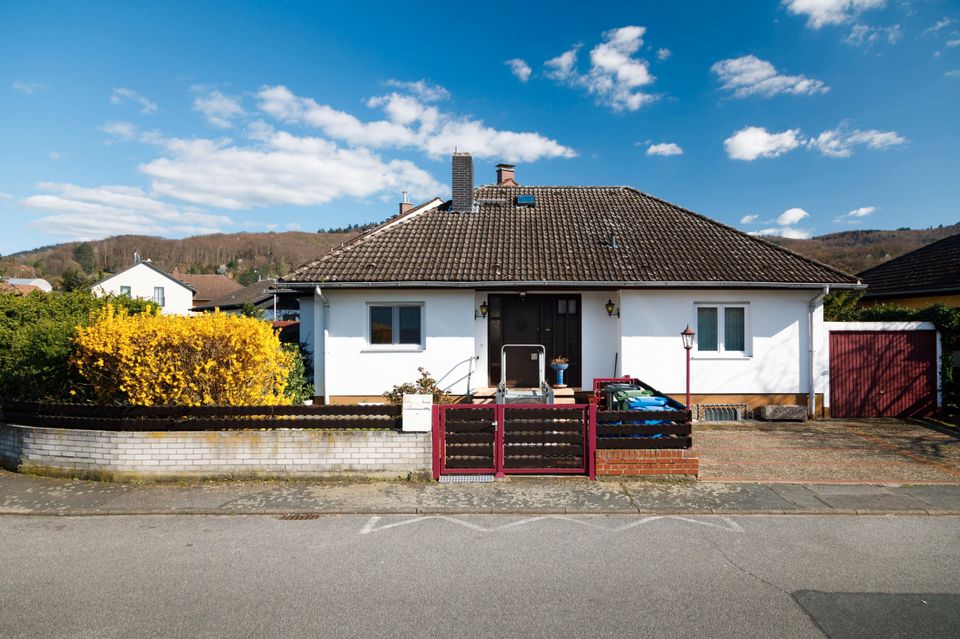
point(778, 360)
point(142, 279)
point(355, 367)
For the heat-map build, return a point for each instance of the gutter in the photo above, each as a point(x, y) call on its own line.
point(320, 322)
point(488, 284)
point(812, 389)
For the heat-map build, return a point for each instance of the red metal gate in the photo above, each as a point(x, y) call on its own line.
point(883, 373)
point(512, 439)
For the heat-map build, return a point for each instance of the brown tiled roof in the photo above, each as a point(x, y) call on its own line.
point(933, 268)
point(207, 286)
point(563, 238)
point(254, 294)
point(18, 289)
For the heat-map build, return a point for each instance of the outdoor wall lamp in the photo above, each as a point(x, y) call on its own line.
point(687, 337)
point(611, 309)
point(484, 309)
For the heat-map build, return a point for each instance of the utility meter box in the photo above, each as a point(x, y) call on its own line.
point(417, 413)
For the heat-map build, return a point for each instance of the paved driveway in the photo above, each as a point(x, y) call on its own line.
point(848, 451)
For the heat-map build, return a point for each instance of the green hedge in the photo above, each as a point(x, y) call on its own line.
point(36, 340)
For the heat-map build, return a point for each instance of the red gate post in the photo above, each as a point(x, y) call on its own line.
point(436, 442)
point(591, 446)
point(498, 420)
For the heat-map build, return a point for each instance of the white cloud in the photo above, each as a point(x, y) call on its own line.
point(519, 68)
point(218, 109)
point(56, 155)
point(830, 12)
point(748, 219)
point(85, 213)
point(615, 76)
point(953, 43)
point(29, 88)
point(120, 131)
point(856, 215)
point(839, 142)
point(940, 24)
point(293, 226)
point(786, 232)
point(123, 95)
point(664, 148)
point(410, 123)
point(563, 67)
point(866, 35)
point(749, 75)
point(5, 196)
point(953, 73)
point(663, 54)
point(283, 169)
point(791, 216)
point(426, 91)
point(754, 142)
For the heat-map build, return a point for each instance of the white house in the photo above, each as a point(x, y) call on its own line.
point(145, 281)
point(606, 276)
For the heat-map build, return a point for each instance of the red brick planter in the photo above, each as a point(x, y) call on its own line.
point(648, 462)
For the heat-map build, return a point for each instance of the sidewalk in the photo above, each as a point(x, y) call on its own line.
point(28, 495)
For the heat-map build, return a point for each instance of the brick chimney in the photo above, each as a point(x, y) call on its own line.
point(507, 175)
point(462, 183)
point(405, 204)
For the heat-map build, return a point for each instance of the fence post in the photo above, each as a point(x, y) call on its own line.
point(498, 419)
point(592, 440)
point(435, 437)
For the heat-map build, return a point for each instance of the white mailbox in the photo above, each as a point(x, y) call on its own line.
point(417, 413)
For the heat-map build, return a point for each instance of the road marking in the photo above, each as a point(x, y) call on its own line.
point(372, 524)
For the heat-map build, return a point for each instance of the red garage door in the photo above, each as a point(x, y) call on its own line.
point(883, 373)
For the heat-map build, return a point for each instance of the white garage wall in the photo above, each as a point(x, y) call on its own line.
point(354, 367)
point(652, 350)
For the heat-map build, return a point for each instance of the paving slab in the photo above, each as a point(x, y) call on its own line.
point(866, 497)
point(660, 496)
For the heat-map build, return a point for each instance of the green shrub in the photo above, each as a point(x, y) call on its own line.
point(36, 340)
point(299, 389)
point(425, 385)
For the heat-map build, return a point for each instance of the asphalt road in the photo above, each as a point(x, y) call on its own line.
point(480, 576)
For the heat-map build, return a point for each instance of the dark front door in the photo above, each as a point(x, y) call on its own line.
point(550, 320)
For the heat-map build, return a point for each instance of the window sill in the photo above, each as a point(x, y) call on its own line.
point(413, 348)
point(732, 356)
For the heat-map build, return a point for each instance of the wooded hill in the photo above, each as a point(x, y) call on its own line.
point(243, 256)
point(856, 251)
point(247, 256)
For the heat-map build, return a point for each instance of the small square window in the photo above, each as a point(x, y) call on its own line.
point(125, 291)
point(158, 296)
point(722, 328)
point(400, 324)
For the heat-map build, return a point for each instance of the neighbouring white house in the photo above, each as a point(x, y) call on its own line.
point(38, 282)
point(607, 276)
point(145, 281)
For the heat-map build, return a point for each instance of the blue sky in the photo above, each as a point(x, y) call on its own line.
point(792, 117)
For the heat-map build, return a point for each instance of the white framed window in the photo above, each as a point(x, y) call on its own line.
point(125, 291)
point(723, 329)
point(395, 325)
point(158, 296)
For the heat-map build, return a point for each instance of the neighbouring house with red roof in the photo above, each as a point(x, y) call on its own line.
point(606, 276)
point(921, 278)
point(206, 286)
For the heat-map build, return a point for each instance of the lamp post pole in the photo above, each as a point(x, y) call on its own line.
point(687, 337)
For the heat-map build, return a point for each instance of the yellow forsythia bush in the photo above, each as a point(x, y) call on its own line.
point(167, 360)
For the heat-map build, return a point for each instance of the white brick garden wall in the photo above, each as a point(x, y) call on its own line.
point(253, 453)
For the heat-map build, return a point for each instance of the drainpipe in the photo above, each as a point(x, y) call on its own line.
point(320, 322)
point(811, 307)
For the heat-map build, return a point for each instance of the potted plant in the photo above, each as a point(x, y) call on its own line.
point(559, 364)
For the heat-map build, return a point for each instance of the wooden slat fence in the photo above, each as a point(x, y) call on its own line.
point(641, 429)
point(190, 418)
